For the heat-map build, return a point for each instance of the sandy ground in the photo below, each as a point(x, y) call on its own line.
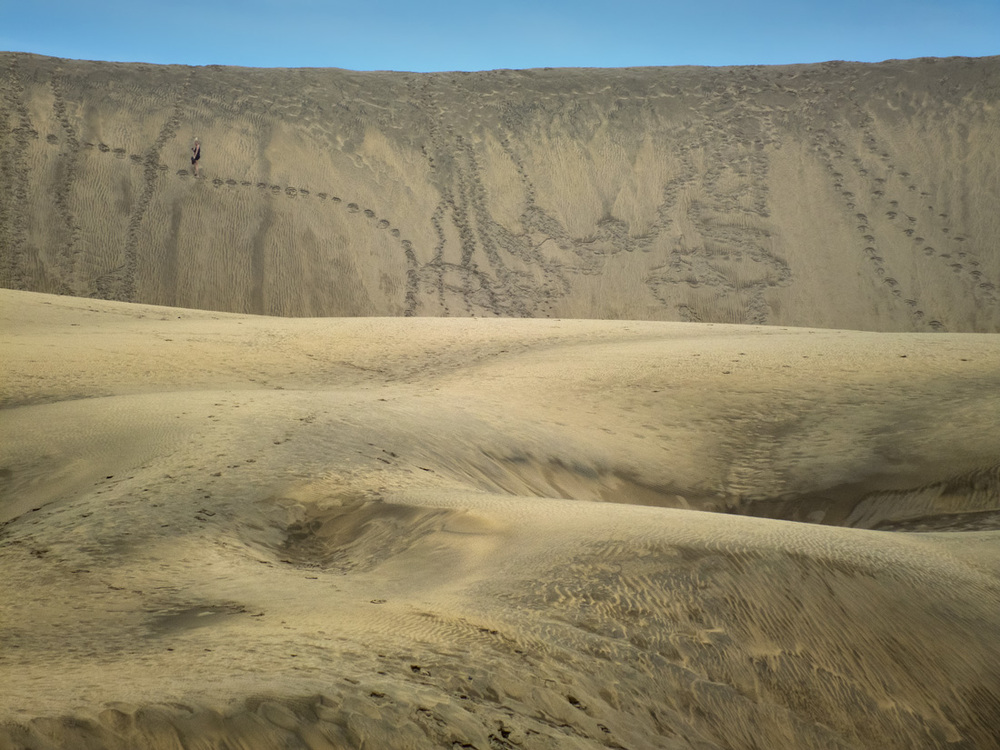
point(234, 531)
point(499, 471)
point(838, 195)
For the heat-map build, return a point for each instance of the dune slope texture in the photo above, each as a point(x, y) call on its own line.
point(228, 531)
point(837, 195)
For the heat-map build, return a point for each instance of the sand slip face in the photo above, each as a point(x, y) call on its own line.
point(839, 195)
point(436, 533)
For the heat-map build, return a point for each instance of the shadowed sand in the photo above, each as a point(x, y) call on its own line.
point(838, 195)
point(237, 531)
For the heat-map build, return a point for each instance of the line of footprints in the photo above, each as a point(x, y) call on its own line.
point(292, 192)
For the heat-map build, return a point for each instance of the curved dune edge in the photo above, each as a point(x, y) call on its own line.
point(433, 533)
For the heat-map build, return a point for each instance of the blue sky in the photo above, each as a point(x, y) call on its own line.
point(451, 35)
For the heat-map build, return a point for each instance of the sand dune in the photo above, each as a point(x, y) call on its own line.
point(233, 531)
point(422, 418)
point(839, 195)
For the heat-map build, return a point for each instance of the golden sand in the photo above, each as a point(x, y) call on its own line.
point(426, 533)
point(839, 195)
point(578, 409)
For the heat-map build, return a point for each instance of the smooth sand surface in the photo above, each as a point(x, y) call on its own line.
point(839, 195)
point(229, 531)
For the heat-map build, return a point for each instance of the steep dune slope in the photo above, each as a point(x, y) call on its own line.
point(835, 195)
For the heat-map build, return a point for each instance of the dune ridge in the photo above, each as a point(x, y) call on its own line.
point(838, 195)
point(392, 532)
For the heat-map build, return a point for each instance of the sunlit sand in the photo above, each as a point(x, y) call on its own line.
point(456, 507)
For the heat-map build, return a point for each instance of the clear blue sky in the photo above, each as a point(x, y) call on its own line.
point(434, 35)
